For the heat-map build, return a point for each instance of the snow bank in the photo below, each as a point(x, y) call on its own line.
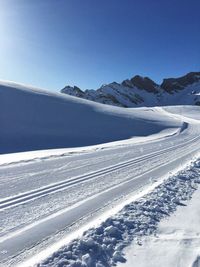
point(33, 119)
point(103, 246)
point(192, 112)
point(176, 242)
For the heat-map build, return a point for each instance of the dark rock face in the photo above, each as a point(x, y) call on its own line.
point(145, 84)
point(74, 91)
point(175, 84)
point(127, 83)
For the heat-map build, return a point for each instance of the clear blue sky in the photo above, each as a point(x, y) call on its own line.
point(52, 43)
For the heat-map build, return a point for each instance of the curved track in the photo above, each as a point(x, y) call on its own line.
point(44, 198)
point(50, 189)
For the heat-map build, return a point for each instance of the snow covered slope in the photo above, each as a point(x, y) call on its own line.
point(142, 91)
point(32, 119)
point(50, 198)
point(176, 241)
point(46, 202)
point(47, 199)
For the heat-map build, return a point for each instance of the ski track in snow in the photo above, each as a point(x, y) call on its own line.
point(41, 214)
point(47, 195)
point(103, 246)
point(28, 196)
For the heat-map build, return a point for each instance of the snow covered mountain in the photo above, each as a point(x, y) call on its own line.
point(142, 91)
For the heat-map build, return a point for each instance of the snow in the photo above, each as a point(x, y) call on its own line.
point(175, 243)
point(51, 199)
point(37, 155)
point(33, 119)
point(104, 245)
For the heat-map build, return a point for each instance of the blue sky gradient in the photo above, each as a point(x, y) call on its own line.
point(52, 43)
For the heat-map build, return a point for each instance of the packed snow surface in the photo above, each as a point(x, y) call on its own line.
point(103, 245)
point(176, 241)
point(48, 198)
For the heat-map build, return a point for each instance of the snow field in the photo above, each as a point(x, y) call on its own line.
point(103, 246)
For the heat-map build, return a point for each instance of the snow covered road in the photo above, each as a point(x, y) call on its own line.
point(43, 200)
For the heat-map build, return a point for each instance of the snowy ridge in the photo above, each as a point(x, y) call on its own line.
point(35, 119)
point(103, 246)
point(142, 91)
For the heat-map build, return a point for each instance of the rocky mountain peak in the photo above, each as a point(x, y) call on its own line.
point(142, 91)
point(72, 90)
point(175, 84)
point(145, 83)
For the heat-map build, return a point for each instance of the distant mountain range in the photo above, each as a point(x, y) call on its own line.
point(142, 91)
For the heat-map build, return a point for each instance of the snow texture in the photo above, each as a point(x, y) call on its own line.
point(103, 246)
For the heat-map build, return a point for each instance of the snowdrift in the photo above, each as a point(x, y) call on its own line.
point(33, 119)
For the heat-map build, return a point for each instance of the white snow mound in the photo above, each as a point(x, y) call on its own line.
point(33, 119)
